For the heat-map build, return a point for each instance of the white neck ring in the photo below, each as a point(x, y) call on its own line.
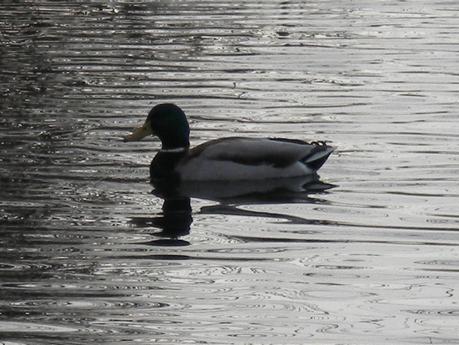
point(178, 149)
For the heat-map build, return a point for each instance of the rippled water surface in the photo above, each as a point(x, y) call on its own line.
point(89, 255)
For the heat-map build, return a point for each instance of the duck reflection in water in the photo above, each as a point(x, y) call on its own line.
point(174, 222)
point(176, 218)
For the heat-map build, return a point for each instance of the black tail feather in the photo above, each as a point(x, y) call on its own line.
point(318, 156)
point(316, 164)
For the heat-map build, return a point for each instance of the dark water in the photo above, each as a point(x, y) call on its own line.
point(86, 250)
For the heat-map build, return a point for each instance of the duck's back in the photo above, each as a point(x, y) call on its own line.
point(251, 158)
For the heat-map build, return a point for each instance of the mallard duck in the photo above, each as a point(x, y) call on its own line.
point(232, 158)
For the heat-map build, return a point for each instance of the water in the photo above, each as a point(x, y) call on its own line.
point(90, 256)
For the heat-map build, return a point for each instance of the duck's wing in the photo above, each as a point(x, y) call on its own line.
point(276, 152)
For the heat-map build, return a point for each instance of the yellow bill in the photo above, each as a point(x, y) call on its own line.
point(139, 133)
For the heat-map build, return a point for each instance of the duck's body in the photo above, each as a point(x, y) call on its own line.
point(241, 159)
point(223, 159)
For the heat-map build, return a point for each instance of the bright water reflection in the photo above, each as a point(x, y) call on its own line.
point(89, 255)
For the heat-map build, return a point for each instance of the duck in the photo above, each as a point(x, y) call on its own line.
point(224, 159)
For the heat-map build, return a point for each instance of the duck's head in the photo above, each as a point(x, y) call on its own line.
point(169, 123)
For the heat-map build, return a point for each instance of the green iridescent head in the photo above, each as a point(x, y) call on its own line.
point(169, 123)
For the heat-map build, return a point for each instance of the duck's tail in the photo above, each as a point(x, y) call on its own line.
point(317, 156)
